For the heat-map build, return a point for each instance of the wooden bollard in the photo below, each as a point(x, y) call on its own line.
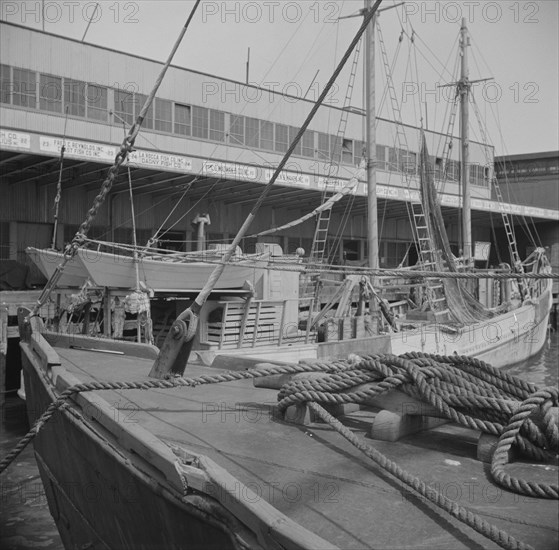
point(402, 415)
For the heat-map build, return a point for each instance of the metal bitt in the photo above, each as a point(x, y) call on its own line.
point(201, 220)
point(176, 349)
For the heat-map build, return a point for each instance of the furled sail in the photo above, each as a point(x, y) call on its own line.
point(463, 306)
point(347, 190)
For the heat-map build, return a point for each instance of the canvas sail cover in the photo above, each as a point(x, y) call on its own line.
point(463, 306)
point(348, 189)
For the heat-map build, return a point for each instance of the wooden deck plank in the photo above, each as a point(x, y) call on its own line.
point(311, 473)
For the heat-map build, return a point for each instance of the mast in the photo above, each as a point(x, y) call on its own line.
point(464, 90)
point(372, 216)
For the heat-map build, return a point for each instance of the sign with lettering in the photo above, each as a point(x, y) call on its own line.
point(229, 170)
point(289, 178)
point(17, 140)
point(154, 159)
point(78, 149)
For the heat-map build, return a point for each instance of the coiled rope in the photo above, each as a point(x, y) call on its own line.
point(463, 389)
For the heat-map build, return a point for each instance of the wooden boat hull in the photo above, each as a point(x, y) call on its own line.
point(112, 484)
point(118, 271)
point(504, 340)
point(112, 479)
point(74, 273)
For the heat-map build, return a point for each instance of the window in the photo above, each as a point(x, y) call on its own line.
point(163, 117)
point(477, 175)
point(267, 135)
point(237, 130)
point(96, 102)
point(392, 159)
point(139, 100)
point(74, 97)
point(392, 253)
point(50, 93)
point(307, 144)
point(292, 134)
point(453, 170)
point(323, 146)
point(252, 132)
point(282, 138)
point(5, 84)
point(381, 157)
point(182, 119)
point(124, 107)
point(4, 240)
point(358, 151)
point(200, 122)
point(347, 151)
point(438, 167)
point(24, 92)
point(217, 125)
point(408, 162)
point(335, 149)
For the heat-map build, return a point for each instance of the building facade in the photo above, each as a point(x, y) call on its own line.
point(208, 145)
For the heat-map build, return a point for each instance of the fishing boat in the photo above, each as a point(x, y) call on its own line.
point(141, 448)
point(169, 271)
point(47, 259)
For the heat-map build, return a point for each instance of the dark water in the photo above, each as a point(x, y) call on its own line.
point(543, 369)
point(25, 521)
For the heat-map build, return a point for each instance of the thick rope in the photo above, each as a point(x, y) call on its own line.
point(503, 539)
point(464, 390)
point(436, 379)
point(150, 384)
point(540, 399)
point(125, 148)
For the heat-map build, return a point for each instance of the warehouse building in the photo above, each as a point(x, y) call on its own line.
point(207, 147)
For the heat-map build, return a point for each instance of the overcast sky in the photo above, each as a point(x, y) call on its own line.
point(515, 42)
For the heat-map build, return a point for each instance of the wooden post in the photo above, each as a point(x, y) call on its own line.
point(107, 313)
point(309, 321)
point(256, 321)
point(282, 322)
point(244, 320)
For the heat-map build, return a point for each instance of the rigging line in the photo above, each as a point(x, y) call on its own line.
point(151, 207)
point(431, 51)
point(186, 190)
point(125, 148)
point(288, 41)
point(59, 184)
point(431, 65)
point(409, 67)
point(278, 56)
point(492, 223)
point(309, 51)
point(218, 181)
point(524, 219)
point(341, 228)
point(141, 136)
point(414, 48)
point(195, 308)
point(474, 43)
point(441, 146)
point(134, 241)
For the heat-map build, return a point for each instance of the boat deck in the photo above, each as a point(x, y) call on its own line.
point(317, 478)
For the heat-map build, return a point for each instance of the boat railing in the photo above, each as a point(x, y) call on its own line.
point(253, 323)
